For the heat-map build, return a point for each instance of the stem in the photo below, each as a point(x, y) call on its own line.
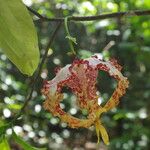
point(92, 18)
point(68, 35)
point(66, 25)
point(37, 75)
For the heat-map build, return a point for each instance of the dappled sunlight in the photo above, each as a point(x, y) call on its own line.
point(33, 42)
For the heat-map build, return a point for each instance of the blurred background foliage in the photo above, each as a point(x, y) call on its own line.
point(129, 124)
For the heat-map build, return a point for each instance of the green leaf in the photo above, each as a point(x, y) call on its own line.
point(18, 38)
point(3, 128)
point(4, 144)
point(14, 106)
point(24, 144)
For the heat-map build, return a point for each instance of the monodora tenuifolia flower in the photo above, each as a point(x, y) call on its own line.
point(81, 78)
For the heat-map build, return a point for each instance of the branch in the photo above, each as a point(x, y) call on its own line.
point(37, 75)
point(92, 18)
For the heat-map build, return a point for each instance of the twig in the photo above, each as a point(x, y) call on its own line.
point(47, 48)
point(92, 18)
point(109, 45)
point(36, 13)
point(37, 75)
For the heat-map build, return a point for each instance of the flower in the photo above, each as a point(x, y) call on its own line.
point(81, 78)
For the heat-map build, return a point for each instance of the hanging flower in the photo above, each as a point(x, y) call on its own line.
point(81, 78)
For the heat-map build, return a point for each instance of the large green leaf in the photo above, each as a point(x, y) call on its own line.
point(24, 144)
point(18, 38)
point(4, 144)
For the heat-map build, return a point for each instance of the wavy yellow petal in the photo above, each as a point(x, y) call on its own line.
point(104, 134)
